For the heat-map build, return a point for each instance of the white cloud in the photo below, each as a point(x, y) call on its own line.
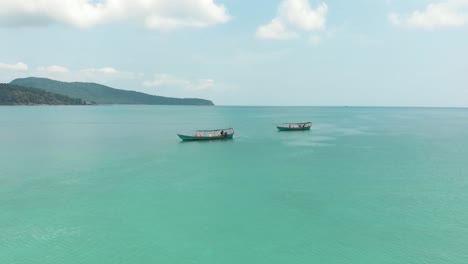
point(275, 30)
point(14, 67)
point(450, 13)
point(106, 70)
point(98, 75)
point(154, 14)
point(53, 69)
point(300, 15)
point(105, 73)
point(170, 81)
point(203, 85)
point(294, 16)
point(165, 80)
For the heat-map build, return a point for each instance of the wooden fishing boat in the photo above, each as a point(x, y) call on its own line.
point(214, 134)
point(294, 126)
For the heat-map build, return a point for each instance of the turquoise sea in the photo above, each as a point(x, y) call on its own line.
point(113, 184)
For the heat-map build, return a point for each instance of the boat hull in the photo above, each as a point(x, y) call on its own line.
point(280, 128)
point(202, 138)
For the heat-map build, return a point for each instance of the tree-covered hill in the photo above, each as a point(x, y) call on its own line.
point(101, 94)
point(18, 95)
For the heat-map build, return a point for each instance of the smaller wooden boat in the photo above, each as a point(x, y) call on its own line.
point(294, 126)
point(214, 134)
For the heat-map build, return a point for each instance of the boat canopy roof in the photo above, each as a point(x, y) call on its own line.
point(216, 130)
point(302, 123)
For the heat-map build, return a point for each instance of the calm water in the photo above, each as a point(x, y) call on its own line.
point(113, 184)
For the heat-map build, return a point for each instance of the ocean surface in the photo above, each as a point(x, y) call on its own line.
point(114, 184)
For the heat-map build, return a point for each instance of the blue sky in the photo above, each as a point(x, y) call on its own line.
point(265, 52)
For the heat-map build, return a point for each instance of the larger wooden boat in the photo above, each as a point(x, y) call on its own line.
point(294, 126)
point(214, 134)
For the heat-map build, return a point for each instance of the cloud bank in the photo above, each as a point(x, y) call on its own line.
point(65, 74)
point(294, 16)
point(53, 69)
point(450, 13)
point(173, 85)
point(13, 67)
point(167, 80)
point(154, 14)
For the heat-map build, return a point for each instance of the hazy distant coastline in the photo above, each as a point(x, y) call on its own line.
point(43, 91)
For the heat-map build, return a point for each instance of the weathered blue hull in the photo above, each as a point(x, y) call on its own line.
point(203, 138)
point(280, 128)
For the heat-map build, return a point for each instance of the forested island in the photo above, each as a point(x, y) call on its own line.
point(101, 94)
point(19, 95)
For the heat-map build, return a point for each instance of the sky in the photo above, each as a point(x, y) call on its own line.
point(239, 52)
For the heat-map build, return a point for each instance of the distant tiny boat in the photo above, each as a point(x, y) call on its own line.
point(294, 126)
point(214, 134)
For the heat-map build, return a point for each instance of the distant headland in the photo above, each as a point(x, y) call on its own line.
point(43, 91)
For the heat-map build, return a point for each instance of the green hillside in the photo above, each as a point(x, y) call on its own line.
point(101, 94)
point(18, 95)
